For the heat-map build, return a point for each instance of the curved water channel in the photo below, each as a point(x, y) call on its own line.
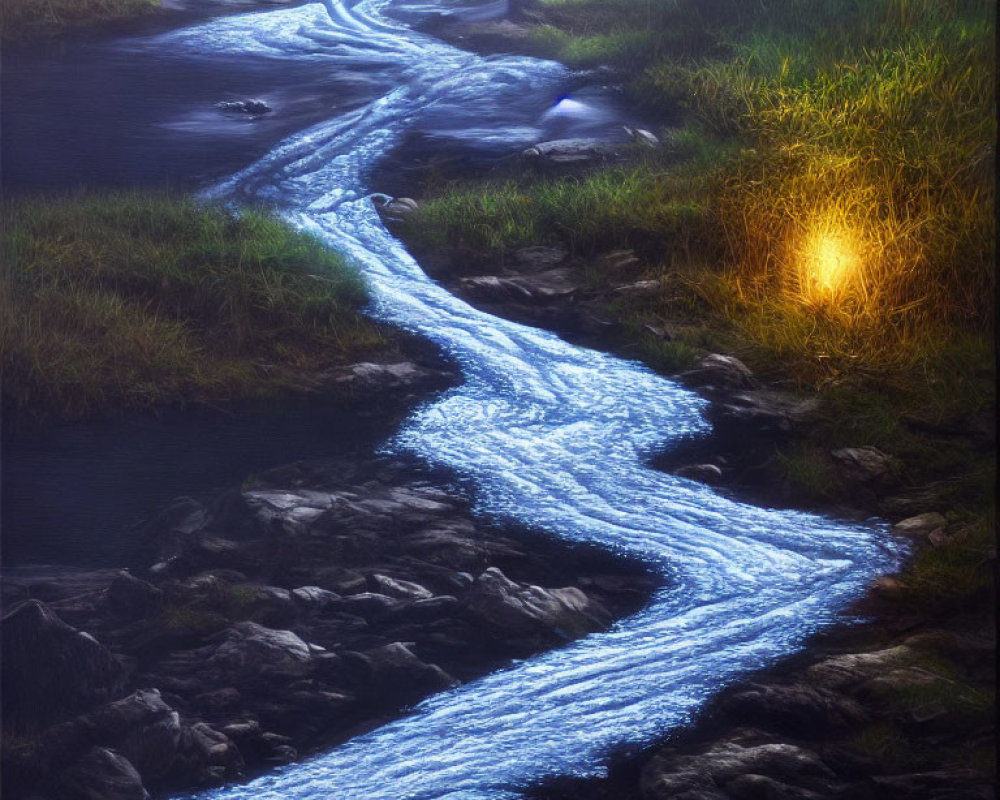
point(546, 433)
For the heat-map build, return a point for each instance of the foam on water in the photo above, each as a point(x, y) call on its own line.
point(547, 434)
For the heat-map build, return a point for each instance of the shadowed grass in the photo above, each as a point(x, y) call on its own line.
point(30, 19)
point(127, 300)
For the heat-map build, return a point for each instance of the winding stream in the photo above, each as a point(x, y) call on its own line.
point(546, 433)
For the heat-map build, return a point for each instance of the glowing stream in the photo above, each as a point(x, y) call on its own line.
point(549, 434)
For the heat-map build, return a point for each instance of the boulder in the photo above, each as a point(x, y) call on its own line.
point(102, 774)
point(142, 728)
point(721, 372)
point(252, 107)
point(541, 287)
point(538, 258)
point(394, 671)
point(920, 526)
point(643, 137)
point(796, 709)
point(131, 598)
point(373, 377)
point(867, 466)
point(523, 611)
point(403, 590)
point(50, 670)
point(249, 650)
point(762, 411)
point(570, 152)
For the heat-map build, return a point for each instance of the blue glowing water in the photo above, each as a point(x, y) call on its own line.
point(548, 434)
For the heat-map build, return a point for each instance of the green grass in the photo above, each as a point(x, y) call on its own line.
point(826, 211)
point(130, 300)
point(31, 19)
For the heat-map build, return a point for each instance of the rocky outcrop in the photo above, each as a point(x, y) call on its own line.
point(50, 669)
point(277, 618)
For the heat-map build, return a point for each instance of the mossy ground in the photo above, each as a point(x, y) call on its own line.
point(117, 301)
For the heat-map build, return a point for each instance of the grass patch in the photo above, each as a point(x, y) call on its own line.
point(129, 300)
point(826, 212)
point(31, 19)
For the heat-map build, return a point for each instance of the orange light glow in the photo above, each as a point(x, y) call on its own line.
point(828, 263)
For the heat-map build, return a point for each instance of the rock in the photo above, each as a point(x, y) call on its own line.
point(525, 611)
point(103, 774)
point(394, 671)
point(796, 709)
point(705, 473)
point(314, 598)
point(252, 107)
point(368, 603)
point(761, 787)
point(867, 466)
point(394, 208)
point(553, 284)
point(920, 526)
point(142, 728)
point(846, 671)
point(763, 411)
point(640, 136)
point(374, 377)
point(250, 650)
point(668, 776)
point(721, 372)
point(570, 152)
point(208, 755)
point(539, 258)
point(131, 598)
point(639, 287)
point(51, 670)
point(403, 590)
point(340, 580)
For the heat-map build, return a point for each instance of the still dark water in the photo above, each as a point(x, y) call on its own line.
point(79, 494)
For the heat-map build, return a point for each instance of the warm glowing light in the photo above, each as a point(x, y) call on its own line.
point(829, 263)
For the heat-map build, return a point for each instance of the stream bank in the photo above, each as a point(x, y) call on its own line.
point(315, 602)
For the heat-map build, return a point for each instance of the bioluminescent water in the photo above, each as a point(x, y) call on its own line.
point(547, 434)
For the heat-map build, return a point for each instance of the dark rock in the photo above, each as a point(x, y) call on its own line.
point(404, 590)
point(920, 526)
point(643, 137)
point(541, 287)
point(340, 580)
point(571, 152)
point(394, 671)
point(705, 473)
point(761, 412)
point(142, 728)
point(314, 598)
point(801, 710)
point(538, 258)
point(208, 755)
point(721, 372)
point(250, 650)
point(102, 774)
point(867, 466)
point(51, 670)
point(371, 377)
point(132, 598)
point(525, 611)
point(252, 107)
